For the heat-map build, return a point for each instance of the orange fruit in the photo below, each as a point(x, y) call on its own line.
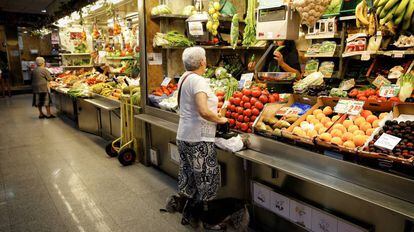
point(369, 131)
point(320, 116)
point(366, 113)
point(375, 123)
point(327, 110)
point(353, 128)
point(336, 133)
point(349, 144)
point(382, 115)
point(358, 132)
point(336, 140)
point(340, 127)
point(371, 118)
point(334, 118)
point(326, 137)
point(347, 136)
point(359, 140)
point(310, 117)
point(347, 123)
point(317, 111)
point(365, 126)
point(325, 120)
point(359, 120)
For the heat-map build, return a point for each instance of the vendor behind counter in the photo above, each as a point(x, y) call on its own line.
point(284, 60)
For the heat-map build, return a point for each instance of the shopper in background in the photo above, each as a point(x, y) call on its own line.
point(4, 75)
point(41, 92)
point(285, 60)
point(199, 174)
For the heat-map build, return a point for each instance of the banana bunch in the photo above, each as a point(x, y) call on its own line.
point(396, 12)
point(366, 18)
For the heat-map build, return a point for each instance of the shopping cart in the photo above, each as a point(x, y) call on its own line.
point(124, 146)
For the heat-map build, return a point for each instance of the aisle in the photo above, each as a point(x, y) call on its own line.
point(56, 178)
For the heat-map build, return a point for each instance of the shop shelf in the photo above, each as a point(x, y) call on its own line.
point(219, 47)
point(345, 18)
point(80, 66)
point(75, 54)
point(323, 36)
point(120, 58)
point(321, 56)
point(183, 17)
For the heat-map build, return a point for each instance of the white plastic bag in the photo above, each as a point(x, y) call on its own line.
point(233, 144)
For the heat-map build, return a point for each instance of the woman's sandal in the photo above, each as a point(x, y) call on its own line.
point(42, 116)
point(51, 116)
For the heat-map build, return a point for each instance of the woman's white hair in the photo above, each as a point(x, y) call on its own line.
point(40, 61)
point(192, 58)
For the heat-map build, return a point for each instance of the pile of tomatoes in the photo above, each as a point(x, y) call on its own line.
point(245, 106)
point(370, 95)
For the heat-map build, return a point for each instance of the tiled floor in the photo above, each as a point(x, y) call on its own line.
point(56, 178)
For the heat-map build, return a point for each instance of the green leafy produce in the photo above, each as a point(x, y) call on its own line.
point(161, 9)
point(136, 98)
point(250, 30)
point(333, 8)
point(336, 92)
point(406, 86)
point(234, 33)
point(173, 39)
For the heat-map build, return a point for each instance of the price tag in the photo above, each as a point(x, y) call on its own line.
point(350, 107)
point(398, 54)
point(166, 81)
point(365, 56)
point(380, 81)
point(389, 90)
point(246, 80)
point(288, 110)
point(387, 141)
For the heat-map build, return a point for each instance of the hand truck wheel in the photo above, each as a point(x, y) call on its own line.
point(127, 156)
point(110, 151)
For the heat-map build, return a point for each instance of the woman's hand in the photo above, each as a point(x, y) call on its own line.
point(251, 66)
point(279, 57)
point(222, 120)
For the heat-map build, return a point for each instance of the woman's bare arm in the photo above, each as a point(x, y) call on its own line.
point(205, 112)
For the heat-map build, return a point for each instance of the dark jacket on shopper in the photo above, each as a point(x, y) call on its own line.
point(40, 78)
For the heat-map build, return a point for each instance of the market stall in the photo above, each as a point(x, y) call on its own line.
point(314, 158)
point(99, 51)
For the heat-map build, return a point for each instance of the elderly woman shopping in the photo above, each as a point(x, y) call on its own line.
point(41, 93)
point(199, 175)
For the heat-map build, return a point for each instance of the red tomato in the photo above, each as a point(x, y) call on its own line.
point(240, 118)
point(241, 103)
point(228, 114)
point(253, 118)
point(271, 99)
point(247, 92)
point(372, 97)
point(276, 96)
point(249, 130)
point(245, 99)
point(239, 109)
point(256, 93)
point(265, 92)
point(250, 124)
point(220, 93)
point(394, 99)
point(247, 112)
point(237, 94)
point(234, 115)
point(264, 99)
point(244, 127)
point(232, 108)
point(382, 99)
point(231, 100)
point(255, 112)
point(258, 105)
point(362, 98)
point(220, 98)
point(238, 124)
point(215, 40)
point(246, 119)
point(236, 101)
point(360, 95)
point(253, 100)
point(232, 121)
point(247, 105)
point(220, 104)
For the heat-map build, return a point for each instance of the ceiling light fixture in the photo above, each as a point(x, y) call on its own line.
point(44, 11)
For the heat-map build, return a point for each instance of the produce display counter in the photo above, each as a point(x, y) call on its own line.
point(65, 104)
point(351, 191)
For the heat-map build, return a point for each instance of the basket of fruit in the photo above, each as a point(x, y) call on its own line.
point(351, 132)
point(400, 127)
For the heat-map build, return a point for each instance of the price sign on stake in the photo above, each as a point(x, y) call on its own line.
point(166, 81)
point(246, 80)
point(350, 107)
point(389, 91)
point(387, 141)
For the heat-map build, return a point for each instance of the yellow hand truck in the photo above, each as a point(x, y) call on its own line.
point(124, 146)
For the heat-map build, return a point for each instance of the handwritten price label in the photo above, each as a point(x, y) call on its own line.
point(166, 81)
point(389, 90)
point(350, 107)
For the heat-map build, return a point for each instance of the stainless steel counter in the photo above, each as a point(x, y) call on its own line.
point(353, 190)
